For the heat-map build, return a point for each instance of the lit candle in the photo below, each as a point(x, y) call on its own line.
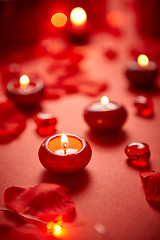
point(78, 27)
point(105, 116)
point(25, 91)
point(65, 153)
point(142, 73)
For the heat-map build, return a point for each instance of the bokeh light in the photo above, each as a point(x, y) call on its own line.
point(143, 60)
point(78, 16)
point(116, 18)
point(59, 20)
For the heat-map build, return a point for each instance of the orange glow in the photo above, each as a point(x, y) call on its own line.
point(24, 81)
point(116, 19)
point(78, 16)
point(57, 227)
point(104, 100)
point(54, 228)
point(59, 20)
point(143, 60)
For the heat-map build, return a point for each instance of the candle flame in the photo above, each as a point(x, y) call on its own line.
point(59, 20)
point(64, 141)
point(143, 60)
point(24, 81)
point(104, 100)
point(78, 16)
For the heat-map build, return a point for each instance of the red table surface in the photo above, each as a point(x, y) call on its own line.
point(108, 191)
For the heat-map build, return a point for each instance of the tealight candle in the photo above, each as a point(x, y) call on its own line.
point(65, 153)
point(26, 91)
point(142, 73)
point(78, 27)
point(105, 116)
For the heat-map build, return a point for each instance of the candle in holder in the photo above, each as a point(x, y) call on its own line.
point(142, 73)
point(79, 26)
point(105, 116)
point(25, 91)
point(65, 153)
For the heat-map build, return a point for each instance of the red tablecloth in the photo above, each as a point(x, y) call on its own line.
point(108, 191)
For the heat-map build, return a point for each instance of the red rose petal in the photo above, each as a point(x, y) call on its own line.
point(9, 72)
point(45, 201)
point(151, 184)
point(12, 121)
point(27, 232)
point(91, 88)
point(69, 53)
point(111, 54)
point(53, 92)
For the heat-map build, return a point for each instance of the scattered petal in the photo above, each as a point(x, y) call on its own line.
point(12, 121)
point(69, 53)
point(111, 54)
point(53, 92)
point(92, 88)
point(46, 201)
point(151, 184)
point(26, 232)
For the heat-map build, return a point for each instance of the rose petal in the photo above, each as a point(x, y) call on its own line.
point(69, 53)
point(53, 92)
point(151, 184)
point(45, 201)
point(92, 88)
point(12, 121)
point(27, 232)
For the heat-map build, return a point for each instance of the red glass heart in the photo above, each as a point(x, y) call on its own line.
point(45, 123)
point(144, 106)
point(46, 201)
point(138, 154)
point(151, 184)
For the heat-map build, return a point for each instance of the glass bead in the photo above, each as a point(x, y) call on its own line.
point(144, 106)
point(138, 154)
point(45, 123)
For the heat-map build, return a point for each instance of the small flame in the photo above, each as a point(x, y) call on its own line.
point(59, 20)
point(24, 81)
point(78, 16)
point(104, 100)
point(143, 60)
point(57, 227)
point(54, 228)
point(64, 141)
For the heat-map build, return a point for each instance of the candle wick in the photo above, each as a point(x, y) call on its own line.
point(65, 148)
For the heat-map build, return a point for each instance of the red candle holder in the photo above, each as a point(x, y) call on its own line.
point(26, 93)
point(142, 73)
point(105, 116)
point(65, 157)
